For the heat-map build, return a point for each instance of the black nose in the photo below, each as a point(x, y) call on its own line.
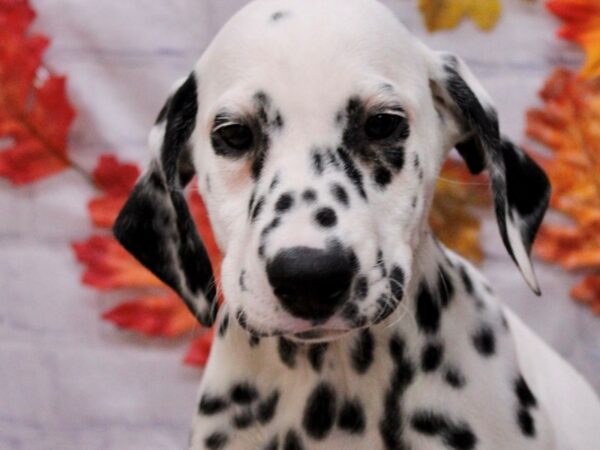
point(311, 283)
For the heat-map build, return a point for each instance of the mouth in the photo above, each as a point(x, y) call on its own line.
point(316, 336)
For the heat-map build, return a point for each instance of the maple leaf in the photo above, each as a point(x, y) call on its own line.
point(157, 311)
point(568, 125)
point(165, 316)
point(453, 216)
point(35, 115)
point(199, 350)
point(582, 26)
point(447, 14)
point(116, 180)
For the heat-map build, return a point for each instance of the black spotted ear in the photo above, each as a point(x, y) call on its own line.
point(155, 225)
point(520, 188)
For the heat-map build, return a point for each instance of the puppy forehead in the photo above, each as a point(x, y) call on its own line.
point(321, 47)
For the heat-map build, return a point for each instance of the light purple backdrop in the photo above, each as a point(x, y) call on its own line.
point(70, 381)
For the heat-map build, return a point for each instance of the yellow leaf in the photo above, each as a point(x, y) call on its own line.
point(453, 216)
point(446, 14)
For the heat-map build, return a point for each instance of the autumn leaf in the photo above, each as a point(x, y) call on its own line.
point(453, 216)
point(116, 180)
point(35, 115)
point(165, 316)
point(568, 125)
point(447, 14)
point(582, 26)
point(199, 350)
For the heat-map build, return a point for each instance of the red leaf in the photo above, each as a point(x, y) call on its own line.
point(109, 266)
point(35, 115)
point(199, 350)
point(116, 180)
point(153, 316)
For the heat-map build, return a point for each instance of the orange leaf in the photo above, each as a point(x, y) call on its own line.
point(35, 115)
point(153, 316)
point(569, 126)
point(109, 266)
point(116, 180)
point(199, 350)
point(581, 25)
point(588, 292)
point(453, 215)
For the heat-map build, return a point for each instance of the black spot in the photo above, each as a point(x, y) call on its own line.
point(274, 183)
point(309, 195)
point(210, 405)
point(382, 176)
point(326, 217)
point(352, 417)
point(243, 393)
point(361, 288)
point(395, 156)
point(524, 394)
point(224, 325)
point(316, 355)
point(416, 161)
point(385, 306)
point(414, 202)
point(266, 409)
point(350, 312)
point(445, 287)
point(254, 341)
point(454, 378)
point(258, 208)
point(381, 263)
point(216, 441)
point(284, 203)
point(258, 163)
point(431, 357)
point(317, 162)
point(273, 444)
point(243, 419)
point(340, 194)
point(526, 422)
point(287, 351)
point(397, 282)
point(242, 319)
point(466, 280)
point(391, 423)
point(362, 352)
point(485, 341)
point(456, 435)
point(251, 203)
point(293, 441)
point(270, 227)
point(319, 413)
point(428, 310)
point(352, 172)
point(278, 122)
point(278, 15)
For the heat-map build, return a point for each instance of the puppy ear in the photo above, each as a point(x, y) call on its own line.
point(155, 225)
point(520, 188)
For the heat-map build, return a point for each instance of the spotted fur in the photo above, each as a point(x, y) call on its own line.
point(317, 130)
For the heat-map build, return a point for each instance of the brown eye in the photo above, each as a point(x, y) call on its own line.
point(237, 137)
point(382, 126)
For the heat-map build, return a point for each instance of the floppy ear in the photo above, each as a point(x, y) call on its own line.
point(520, 188)
point(155, 224)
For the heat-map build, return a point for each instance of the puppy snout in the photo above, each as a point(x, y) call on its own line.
point(311, 283)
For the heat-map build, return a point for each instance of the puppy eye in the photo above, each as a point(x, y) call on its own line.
point(382, 126)
point(236, 136)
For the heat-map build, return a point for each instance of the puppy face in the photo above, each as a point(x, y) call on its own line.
point(316, 150)
point(317, 131)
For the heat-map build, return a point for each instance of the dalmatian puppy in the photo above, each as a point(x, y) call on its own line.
point(316, 130)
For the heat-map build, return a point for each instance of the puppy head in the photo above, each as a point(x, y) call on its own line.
point(316, 131)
